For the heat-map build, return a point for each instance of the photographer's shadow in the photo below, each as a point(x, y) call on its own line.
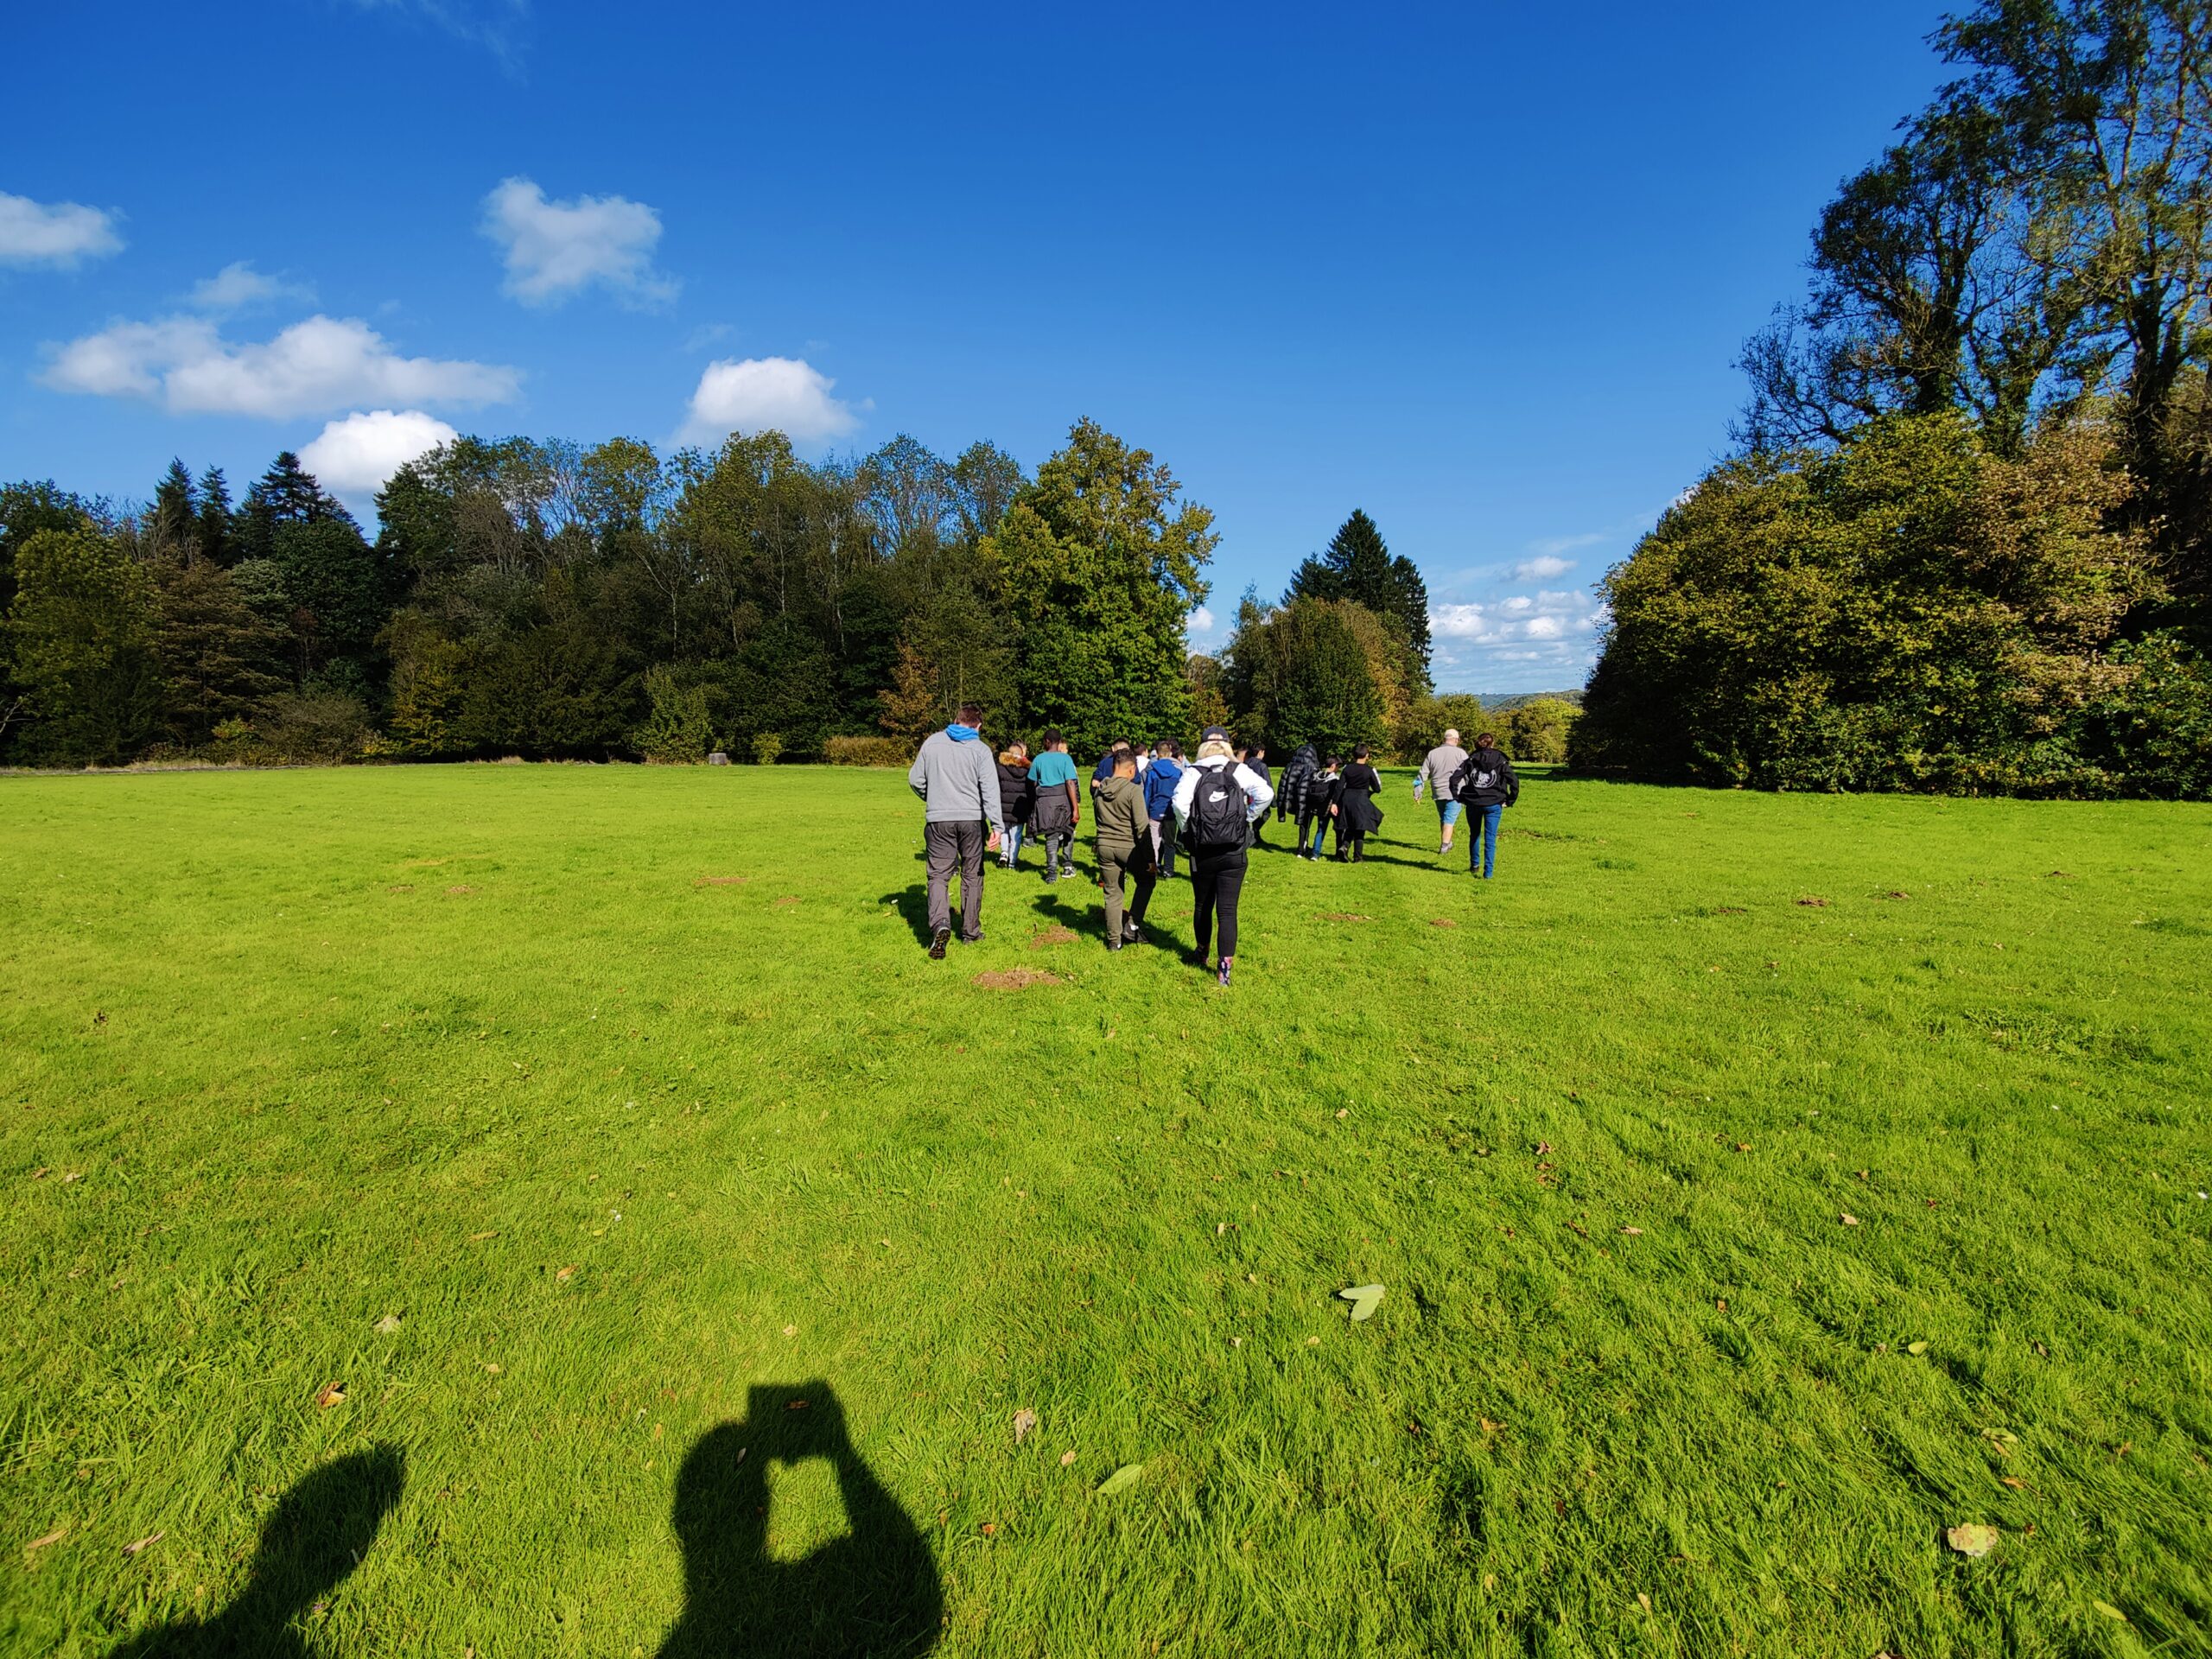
point(872, 1592)
point(315, 1535)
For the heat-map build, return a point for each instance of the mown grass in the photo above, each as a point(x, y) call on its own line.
point(283, 1055)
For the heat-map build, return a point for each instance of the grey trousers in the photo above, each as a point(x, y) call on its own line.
point(951, 846)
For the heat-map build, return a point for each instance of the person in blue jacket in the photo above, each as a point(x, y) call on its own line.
point(1160, 780)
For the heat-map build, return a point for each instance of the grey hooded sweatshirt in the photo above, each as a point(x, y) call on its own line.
point(959, 781)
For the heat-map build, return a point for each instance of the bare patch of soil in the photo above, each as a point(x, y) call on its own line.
point(1813, 904)
point(1442, 921)
point(459, 892)
point(721, 881)
point(787, 901)
point(404, 886)
point(1051, 935)
point(1017, 979)
point(1343, 916)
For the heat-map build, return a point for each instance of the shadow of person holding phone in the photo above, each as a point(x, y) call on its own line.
point(872, 1592)
point(315, 1535)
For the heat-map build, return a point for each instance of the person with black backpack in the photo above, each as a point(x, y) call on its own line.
point(1485, 786)
point(1216, 801)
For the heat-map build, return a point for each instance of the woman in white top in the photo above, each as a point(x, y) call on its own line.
point(1217, 800)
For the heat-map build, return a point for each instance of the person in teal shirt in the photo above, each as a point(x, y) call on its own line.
point(1058, 808)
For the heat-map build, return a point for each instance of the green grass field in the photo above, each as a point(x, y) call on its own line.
point(630, 1096)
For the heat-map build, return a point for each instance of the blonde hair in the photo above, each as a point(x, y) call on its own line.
point(1208, 750)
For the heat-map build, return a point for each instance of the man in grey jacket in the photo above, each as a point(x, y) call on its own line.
point(959, 781)
point(1435, 776)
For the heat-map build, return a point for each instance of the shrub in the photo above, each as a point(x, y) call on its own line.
point(313, 728)
point(677, 731)
point(766, 747)
point(866, 752)
point(1538, 730)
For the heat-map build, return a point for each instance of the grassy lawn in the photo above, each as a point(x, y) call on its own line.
point(589, 1127)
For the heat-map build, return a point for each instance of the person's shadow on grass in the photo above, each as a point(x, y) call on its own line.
point(874, 1592)
point(315, 1535)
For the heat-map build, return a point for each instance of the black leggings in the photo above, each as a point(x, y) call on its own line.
point(1215, 880)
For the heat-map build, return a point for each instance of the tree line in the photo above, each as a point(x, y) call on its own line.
point(1965, 542)
point(557, 600)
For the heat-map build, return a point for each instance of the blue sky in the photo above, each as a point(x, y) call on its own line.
point(1479, 270)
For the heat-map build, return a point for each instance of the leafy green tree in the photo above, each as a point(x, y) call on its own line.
point(1429, 718)
point(1301, 673)
point(335, 586)
point(1538, 730)
point(1357, 566)
point(82, 627)
point(1907, 611)
point(1097, 564)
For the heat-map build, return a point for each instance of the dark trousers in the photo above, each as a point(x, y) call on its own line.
point(1355, 846)
point(1320, 822)
point(1057, 855)
point(960, 846)
point(1163, 846)
point(1216, 881)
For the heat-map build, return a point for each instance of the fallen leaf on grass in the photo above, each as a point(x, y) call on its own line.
point(1848, 1219)
point(1489, 1427)
point(150, 1538)
point(1024, 1420)
point(1915, 1347)
point(1973, 1539)
point(1364, 1300)
point(562, 1275)
point(2013, 1481)
point(795, 1405)
point(1121, 1479)
point(1344, 1111)
point(329, 1394)
point(1442, 921)
point(2106, 1608)
point(73, 1175)
point(791, 1330)
point(1743, 1145)
point(387, 1325)
point(53, 1537)
point(40, 1173)
point(1633, 1232)
point(490, 1368)
point(1066, 1457)
point(990, 1529)
point(1720, 1304)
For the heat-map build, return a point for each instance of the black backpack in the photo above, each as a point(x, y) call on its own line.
point(1473, 777)
point(1219, 809)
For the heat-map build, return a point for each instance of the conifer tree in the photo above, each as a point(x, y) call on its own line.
point(1359, 565)
point(175, 511)
point(215, 517)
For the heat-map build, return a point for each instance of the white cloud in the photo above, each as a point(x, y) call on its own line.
point(501, 27)
point(1544, 566)
point(354, 457)
point(1201, 621)
point(53, 233)
point(1552, 545)
point(555, 249)
point(782, 394)
point(311, 368)
point(1544, 628)
point(238, 284)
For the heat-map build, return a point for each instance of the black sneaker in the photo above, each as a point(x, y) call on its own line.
point(977, 938)
point(1113, 944)
point(1222, 973)
point(1131, 932)
point(937, 944)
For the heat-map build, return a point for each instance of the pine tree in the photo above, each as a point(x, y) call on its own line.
point(1357, 565)
point(285, 494)
point(215, 517)
point(220, 658)
point(175, 512)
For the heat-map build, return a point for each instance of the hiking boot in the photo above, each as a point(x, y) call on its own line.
point(1222, 973)
point(937, 944)
point(1113, 944)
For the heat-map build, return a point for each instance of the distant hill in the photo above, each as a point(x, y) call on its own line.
point(1499, 702)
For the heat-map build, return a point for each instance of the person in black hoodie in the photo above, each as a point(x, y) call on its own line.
point(1256, 758)
point(1486, 784)
point(1016, 795)
point(1357, 816)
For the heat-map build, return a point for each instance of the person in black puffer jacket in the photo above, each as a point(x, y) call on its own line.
point(1485, 786)
point(1016, 795)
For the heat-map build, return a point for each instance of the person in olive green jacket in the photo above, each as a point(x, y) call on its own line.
point(1124, 831)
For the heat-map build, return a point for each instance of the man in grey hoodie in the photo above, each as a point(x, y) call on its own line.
point(959, 781)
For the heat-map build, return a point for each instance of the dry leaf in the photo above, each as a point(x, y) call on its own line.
point(990, 1527)
point(1849, 1220)
point(1066, 1457)
point(791, 1330)
point(2014, 1482)
point(1489, 1427)
point(329, 1394)
point(53, 1537)
point(1543, 1147)
point(1220, 1227)
point(1364, 1300)
point(1312, 1342)
point(1720, 1304)
point(491, 1368)
point(1643, 1601)
point(1915, 1347)
point(1743, 1145)
point(795, 1405)
point(387, 1325)
point(1973, 1539)
point(150, 1538)
point(563, 1275)
point(1344, 1111)
point(1024, 1420)
point(1633, 1232)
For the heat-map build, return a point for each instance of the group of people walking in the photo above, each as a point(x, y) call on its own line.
point(1145, 803)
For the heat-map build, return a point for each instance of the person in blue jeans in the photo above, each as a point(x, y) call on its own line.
point(1486, 786)
point(1160, 780)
